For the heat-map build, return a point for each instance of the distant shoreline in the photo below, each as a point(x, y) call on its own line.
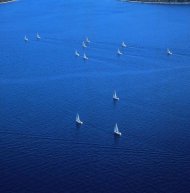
point(6, 1)
point(157, 2)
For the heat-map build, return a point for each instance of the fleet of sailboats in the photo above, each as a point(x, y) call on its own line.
point(37, 37)
point(115, 97)
point(87, 41)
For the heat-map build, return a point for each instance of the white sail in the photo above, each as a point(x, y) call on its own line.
point(169, 52)
point(119, 52)
point(87, 40)
point(78, 119)
point(116, 130)
point(123, 45)
point(85, 57)
point(77, 53)
point(115, 97)
point(38, 36)
point(84, 45)
point(25, 39)
point(114, 94)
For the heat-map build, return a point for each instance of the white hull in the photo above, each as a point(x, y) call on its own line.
point(79, 122)
point(117, 133)
point(116, 98)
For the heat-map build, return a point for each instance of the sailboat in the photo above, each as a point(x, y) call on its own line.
point(25, 39)
point(38, 36)
point(169, 52)
point(116, 130)
point(119, 52)
point(115, 97)
point(123, 45)
point(78, 121)
point(77, 53)
point(84, 45)
point(85, 57)
point(87, 40)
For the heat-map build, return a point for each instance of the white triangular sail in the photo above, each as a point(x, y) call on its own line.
point(87, 40)
point(77, 53)
point(25, 38)
point(116, 130)
point(38, 36)
point(123, 45)
point(114, 94)
point(115, 97)
point(85, 57)
point(169, 52)
point(84, 45)
point(78, 119)
point(119, 52)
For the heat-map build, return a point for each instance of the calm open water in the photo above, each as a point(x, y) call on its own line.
point(43, 85)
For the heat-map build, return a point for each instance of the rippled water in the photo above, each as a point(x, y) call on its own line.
point(43, 85)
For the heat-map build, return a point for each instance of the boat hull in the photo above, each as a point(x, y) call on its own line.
point(117, 133)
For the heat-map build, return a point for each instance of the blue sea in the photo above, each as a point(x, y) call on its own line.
point(43, 85)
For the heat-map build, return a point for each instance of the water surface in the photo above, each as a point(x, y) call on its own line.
point(43, 85)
